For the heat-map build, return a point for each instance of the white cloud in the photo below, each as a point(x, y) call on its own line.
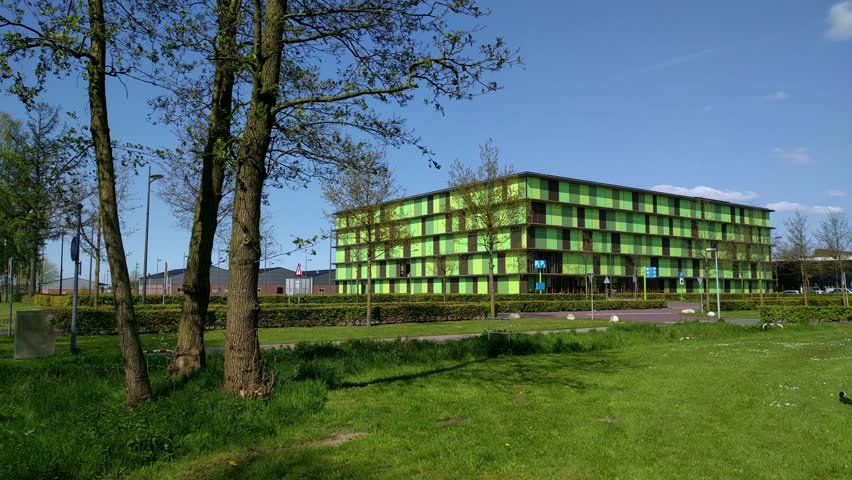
point(826, 209)
point(778, 96)
point(785, 206)
point(840, 21)
point(836, 193)
point(799, 156)
point(707, 192)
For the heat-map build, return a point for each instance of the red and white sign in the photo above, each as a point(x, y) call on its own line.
point(299, 270)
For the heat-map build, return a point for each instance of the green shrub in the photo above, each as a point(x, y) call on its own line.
point(795, 313)
point(164, 318)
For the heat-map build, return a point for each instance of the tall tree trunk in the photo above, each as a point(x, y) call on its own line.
point(243, 369)
point(136, 384)
point(805, 286)
point(189, 354)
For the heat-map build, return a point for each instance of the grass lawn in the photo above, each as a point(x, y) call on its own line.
point(272, 336)
point(637, 401)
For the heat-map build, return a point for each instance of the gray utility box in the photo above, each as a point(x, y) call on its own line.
point(35, 335)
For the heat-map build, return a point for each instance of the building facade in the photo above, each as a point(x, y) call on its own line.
point(576, 228)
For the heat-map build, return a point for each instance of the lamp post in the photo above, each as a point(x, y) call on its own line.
point(151, 179)
point(718, 301)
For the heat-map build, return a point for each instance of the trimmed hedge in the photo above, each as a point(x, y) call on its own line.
point(773, 313)
point(60, 301)
point(164, 318)
point(754, 304)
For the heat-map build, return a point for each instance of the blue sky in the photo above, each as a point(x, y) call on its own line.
point(745, 101)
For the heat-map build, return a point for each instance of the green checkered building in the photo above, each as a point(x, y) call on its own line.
point(577, 227)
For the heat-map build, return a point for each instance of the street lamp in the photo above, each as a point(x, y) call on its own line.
point(718, 302)
point(151, 179)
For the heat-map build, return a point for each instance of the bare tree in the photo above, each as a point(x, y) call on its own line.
point(798, 248)
point(835, 236)
point(361, 195)
point(489, 197)
point(443, 266)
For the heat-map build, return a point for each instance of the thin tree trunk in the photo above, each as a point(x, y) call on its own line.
point(136, 384)
point(805, 286)
point(492, 303)
point(189, 354)
point(369, 286)
point(243, 369)
point(31, 284)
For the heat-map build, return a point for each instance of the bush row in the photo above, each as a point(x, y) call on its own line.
point(58, 301)
point(164, 318)
point(754, 304)
point(774, 313)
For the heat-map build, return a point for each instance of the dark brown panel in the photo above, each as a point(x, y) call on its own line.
point(501, 263)
point(463, 265)
point(530, 237)
point(616, 242)
point(581, 217)
point(647, 223)
point(429, 201)
point(666, 246)
point(566, 239)
point(471, 242)
point(695, 229)
point(406, 249)
point(553, 190)
point(635, 201)
point(654, 199)
point(515, 237)
point(436, 245)
point(430, 286)
point(587, 241)
point(596, 264)
point(475, 285)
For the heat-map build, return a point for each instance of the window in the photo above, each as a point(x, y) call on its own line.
point(602, 219)
point(635, 201)
point(553, 190)
point(321, 290)
point(581, 217)
point(539, 212)
point(616, 242)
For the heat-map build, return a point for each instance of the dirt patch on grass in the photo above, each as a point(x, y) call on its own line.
point(334, 440)
point(452, 421)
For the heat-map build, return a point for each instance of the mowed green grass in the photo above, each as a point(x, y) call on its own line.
point(637, 401)
point(275, 336)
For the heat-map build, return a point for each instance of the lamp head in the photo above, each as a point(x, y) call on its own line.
point(154, 177)
point(710, 249)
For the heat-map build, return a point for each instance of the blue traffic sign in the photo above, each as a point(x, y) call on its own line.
point(650, 272)
point(540, 264)
point(539, 286)
point(681, 275)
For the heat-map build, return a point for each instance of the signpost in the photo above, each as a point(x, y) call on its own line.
point(680, 282)
point(75, 255)
point(701, 286)
point(607, 283)
point(539, 265)
point(650, 272)
point(592, 291)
